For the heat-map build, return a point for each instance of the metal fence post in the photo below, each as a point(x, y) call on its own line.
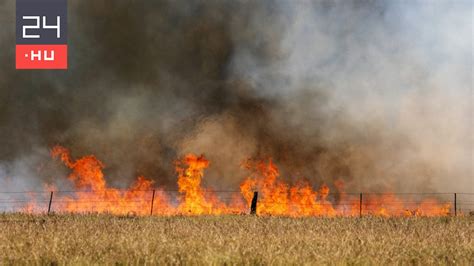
point(360, 205)
point(253, 206)
point(152, 201)
point(50, 201)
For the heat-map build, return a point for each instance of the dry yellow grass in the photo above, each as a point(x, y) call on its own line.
point(86, 239)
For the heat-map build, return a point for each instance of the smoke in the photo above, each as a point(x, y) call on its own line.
point(376, 93)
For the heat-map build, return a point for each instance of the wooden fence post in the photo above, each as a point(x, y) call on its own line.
point(455, 205)
point(152, 201)
point(50, 201)
point(253, 207)
point(360, 205)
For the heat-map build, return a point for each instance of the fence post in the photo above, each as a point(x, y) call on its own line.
point(360, 205)
point(253, 207)
point(50, 201)
point(455, 205)
point(152, 201)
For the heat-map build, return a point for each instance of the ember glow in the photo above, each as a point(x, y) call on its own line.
point(276, 197)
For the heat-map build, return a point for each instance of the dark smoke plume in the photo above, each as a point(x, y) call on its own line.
point(376, 93)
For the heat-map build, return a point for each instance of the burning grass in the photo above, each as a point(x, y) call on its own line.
point(85, 239)
point(277, 197)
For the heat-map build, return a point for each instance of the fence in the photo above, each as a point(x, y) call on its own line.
point(409, 204)
point(150, 202)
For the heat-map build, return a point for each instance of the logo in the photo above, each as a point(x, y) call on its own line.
point(41, 34)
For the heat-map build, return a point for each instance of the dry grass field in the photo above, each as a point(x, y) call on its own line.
point(104, 239)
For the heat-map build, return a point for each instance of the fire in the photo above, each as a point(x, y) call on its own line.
point(95, 196)
point(196, 200)
point(389, 205)
point(190, 172)
point(279, 198)
point(91, 193)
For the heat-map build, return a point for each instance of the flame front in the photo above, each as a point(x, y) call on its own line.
point(96, 196)
point(276, 197)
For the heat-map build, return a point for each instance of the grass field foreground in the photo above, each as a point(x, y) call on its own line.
point(80, 239)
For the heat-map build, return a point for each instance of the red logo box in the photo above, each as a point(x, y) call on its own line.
point(41, 56)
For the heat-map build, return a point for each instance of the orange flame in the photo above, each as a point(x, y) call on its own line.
point(279, 198)
point(276, 197)
point(95, 196)
point(190, 172)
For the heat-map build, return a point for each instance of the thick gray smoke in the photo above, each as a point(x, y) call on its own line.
point(377, 93)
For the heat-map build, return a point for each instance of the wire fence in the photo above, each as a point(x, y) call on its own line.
point(166, 201)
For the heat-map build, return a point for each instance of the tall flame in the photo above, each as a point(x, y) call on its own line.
point(190, 172)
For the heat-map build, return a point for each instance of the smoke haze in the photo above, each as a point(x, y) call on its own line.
point(376, 93)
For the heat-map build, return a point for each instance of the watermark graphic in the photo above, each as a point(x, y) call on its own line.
point(41, 34)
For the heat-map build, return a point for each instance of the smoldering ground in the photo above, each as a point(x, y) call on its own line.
point(376, 93)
